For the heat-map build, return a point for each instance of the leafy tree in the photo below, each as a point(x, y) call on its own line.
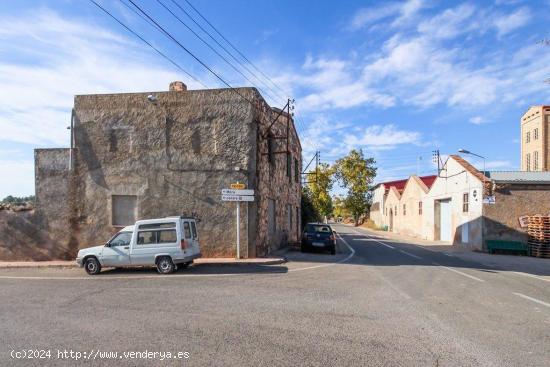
point(320, 184)
point(309, 212)
point(356, 174)
point(340, 208)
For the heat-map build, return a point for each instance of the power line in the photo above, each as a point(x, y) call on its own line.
point(209, 46)
point(233, 47)
point(147, 43)
point(243, 65)
point(167, 34)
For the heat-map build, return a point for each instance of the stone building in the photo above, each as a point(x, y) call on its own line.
point(156, 154)
point(535, 139)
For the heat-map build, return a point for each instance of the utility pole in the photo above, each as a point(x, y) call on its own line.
point(437, 157)
point(317, 158)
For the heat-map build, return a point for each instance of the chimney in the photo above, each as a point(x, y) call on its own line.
point(177, 87)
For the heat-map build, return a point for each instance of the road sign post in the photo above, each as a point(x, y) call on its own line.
point(238, 193)
point(238, 230)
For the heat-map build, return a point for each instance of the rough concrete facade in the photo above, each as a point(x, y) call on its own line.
point(172, 155)
point(42, 234)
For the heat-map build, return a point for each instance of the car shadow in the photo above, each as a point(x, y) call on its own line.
point(199, 269)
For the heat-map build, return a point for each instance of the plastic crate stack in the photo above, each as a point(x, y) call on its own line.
point(538, 230)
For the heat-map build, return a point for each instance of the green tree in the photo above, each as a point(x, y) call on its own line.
point(356, 173)
point(309, 212)
point(340, 208)
point(321, 181)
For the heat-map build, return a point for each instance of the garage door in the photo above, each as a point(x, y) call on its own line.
point(445, 220)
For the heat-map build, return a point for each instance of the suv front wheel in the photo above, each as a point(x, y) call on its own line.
point(165, 265)
point(92, 266)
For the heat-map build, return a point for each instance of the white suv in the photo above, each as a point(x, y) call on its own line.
point(164, 243)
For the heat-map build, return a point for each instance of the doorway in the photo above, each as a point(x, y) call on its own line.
point(445, 220)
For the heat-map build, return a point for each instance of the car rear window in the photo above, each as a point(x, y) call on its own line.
point(318, 228)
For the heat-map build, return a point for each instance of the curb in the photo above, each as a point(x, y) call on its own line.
point(38, 265)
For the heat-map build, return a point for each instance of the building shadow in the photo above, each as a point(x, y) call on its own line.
point(372, 253)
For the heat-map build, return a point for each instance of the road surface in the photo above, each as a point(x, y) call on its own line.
point(376, 303)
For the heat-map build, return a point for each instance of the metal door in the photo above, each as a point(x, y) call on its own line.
point(118, 251)
point(445, 220)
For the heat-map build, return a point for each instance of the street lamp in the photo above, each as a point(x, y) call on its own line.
point(464, 151)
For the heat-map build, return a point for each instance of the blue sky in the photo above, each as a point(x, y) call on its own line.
point(397, 79)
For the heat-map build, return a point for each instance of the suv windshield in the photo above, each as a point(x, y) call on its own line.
point(313, 228)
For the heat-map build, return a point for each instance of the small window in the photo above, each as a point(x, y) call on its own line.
point(194, 230)
point(121, 239)
point(395, 209)
point(528, 137)
point(404, 209)
point(157, 225)
point(535, 161)
point(528, 162)
point(419, 208)
point(289, 166)
point(296, 171)
point(124, 208)
point(186, 230)
point(271, 149)
point(167, 236)
point(154, 237)
point(536, 134)
point(465, 202)
point(289, 213)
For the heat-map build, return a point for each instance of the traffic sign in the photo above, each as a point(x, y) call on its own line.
point(237, 186)
point(237, 198)
point(237, 192)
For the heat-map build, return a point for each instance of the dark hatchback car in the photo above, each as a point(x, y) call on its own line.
point(318, 236)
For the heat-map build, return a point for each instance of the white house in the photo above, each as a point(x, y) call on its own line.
point(445, 207)
point(453, 207)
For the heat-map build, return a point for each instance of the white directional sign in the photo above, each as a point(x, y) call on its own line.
point(237, 198)
point(237, 192)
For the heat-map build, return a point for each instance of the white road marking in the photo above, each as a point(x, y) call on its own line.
point(459, 272)
point(411, 255)
point(384, 244)
point(531, 276)
point(532, 299)
point(331, 264)
point(392, 286)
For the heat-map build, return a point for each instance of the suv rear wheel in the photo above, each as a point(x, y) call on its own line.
point(165, 265)
point(92, 266)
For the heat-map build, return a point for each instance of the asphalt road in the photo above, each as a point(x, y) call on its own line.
point(376, 303)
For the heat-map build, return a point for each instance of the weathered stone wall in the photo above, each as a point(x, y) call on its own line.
point(175, 155)
point(274, 182)
point(511, 202)
point(44, 233)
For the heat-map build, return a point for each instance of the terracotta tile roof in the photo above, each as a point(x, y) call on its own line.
point(398, 184)
point(468, 167)
point(428, 180)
